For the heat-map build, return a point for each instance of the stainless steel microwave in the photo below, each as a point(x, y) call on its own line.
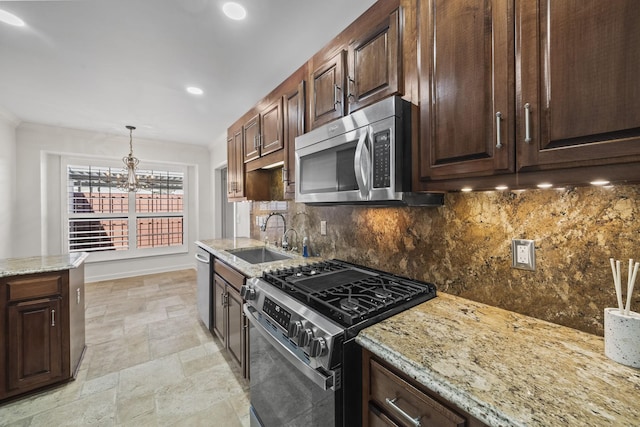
point(363, 158)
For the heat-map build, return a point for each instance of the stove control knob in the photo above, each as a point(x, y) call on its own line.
point(318, 347)
point(305, 337)
point(247, 293)
point(294, 329)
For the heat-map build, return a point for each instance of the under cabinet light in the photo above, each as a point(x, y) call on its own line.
point(599, 182)
point(502, 187)
point(466, 189)
point(545, 185)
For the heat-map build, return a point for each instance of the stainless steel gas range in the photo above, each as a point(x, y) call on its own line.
point(305, 366)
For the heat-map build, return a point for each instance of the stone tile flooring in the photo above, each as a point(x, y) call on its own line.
point(149, 362)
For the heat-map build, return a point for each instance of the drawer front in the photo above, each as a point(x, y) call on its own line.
point(402, 401)
point(233, 277)
point(35, 287)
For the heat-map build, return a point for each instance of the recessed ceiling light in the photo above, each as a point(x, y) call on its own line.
point(234, 11)
point(545, 185)
point(10, 18)
point(600, 182)
point(195, 90)
point(466, 189)
point(502, 187)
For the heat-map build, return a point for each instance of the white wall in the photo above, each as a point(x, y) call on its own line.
point(8, 125)
point(38, 221)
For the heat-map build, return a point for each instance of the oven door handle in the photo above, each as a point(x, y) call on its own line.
point(322, 381)
point(362, 165)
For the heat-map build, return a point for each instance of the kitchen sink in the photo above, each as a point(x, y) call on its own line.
point(258, 255)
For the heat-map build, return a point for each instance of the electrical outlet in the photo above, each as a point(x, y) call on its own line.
point(523, 254)
point(323, 228)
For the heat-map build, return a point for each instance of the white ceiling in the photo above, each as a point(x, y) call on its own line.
point(102, 64)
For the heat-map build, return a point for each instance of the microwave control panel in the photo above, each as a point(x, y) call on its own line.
point(382, 159)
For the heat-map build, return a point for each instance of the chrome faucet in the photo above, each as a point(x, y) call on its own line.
point(263, 227)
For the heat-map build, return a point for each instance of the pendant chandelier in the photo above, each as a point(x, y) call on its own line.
point(130, 182)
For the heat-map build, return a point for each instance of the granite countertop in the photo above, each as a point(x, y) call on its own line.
point(220, 247)
point(507, 369)
point(41, 264)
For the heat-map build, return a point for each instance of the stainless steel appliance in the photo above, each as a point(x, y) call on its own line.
point(305, 366)
point(203, 292)
point(362, 158)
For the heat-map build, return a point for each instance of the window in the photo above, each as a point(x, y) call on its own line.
point(103, 218)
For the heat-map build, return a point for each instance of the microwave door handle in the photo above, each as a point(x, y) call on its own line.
point(362, 165)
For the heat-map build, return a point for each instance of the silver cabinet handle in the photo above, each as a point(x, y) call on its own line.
point(350, 94)
point(78, 296)
point(498, 136)
point(392, 402)
point(255, 142)
point(336, 89)
point(53, 318)
point(259, 136)
point(201, 258)
point(527, 123)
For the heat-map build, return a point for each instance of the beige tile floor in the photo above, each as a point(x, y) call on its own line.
point(149, 362)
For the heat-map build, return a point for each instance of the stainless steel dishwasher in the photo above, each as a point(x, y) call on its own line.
point(203, 259)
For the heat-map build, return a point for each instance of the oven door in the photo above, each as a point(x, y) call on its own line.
point(335, 170)
point(284, 390)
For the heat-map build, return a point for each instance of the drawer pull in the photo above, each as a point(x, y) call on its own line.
point(392, 402)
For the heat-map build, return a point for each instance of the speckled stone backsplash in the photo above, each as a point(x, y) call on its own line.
point(464, 247)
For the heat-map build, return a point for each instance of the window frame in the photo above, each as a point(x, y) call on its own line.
point(132, 216)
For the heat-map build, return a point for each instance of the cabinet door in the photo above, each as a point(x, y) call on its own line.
point(466, 87)
point(375, 64)
point(271, 129)
point(219, 326)
point(579, 68)
point(231, 168)
point(235, 329)
point(235, 165)
point(294, 109)
point(251, 135)
point(34, 352)
point(327, 91)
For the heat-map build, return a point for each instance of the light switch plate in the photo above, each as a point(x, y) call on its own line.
point(523, 254)
point(323, 228)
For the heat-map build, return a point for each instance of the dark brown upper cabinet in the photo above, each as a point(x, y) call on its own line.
point(262, 133)
point(235, 165)
point(294, 114)
point(250, 138)
point(570, 100)
point(327, 91)
point(578, 85)
point(466, 88)
point(363, 71)
point(271, 129)
point(375, 64)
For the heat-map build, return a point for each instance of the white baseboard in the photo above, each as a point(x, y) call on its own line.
point(89, 278)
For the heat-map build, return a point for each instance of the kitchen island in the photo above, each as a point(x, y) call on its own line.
point(42, 321)
point(507, 369)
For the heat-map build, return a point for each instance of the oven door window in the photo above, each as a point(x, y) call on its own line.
point(329, 170)
point(281, 395)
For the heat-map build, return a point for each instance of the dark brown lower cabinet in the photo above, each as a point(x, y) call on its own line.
point(34, 344)
point(229, 322)
point(41, 328)
point(390, 398)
